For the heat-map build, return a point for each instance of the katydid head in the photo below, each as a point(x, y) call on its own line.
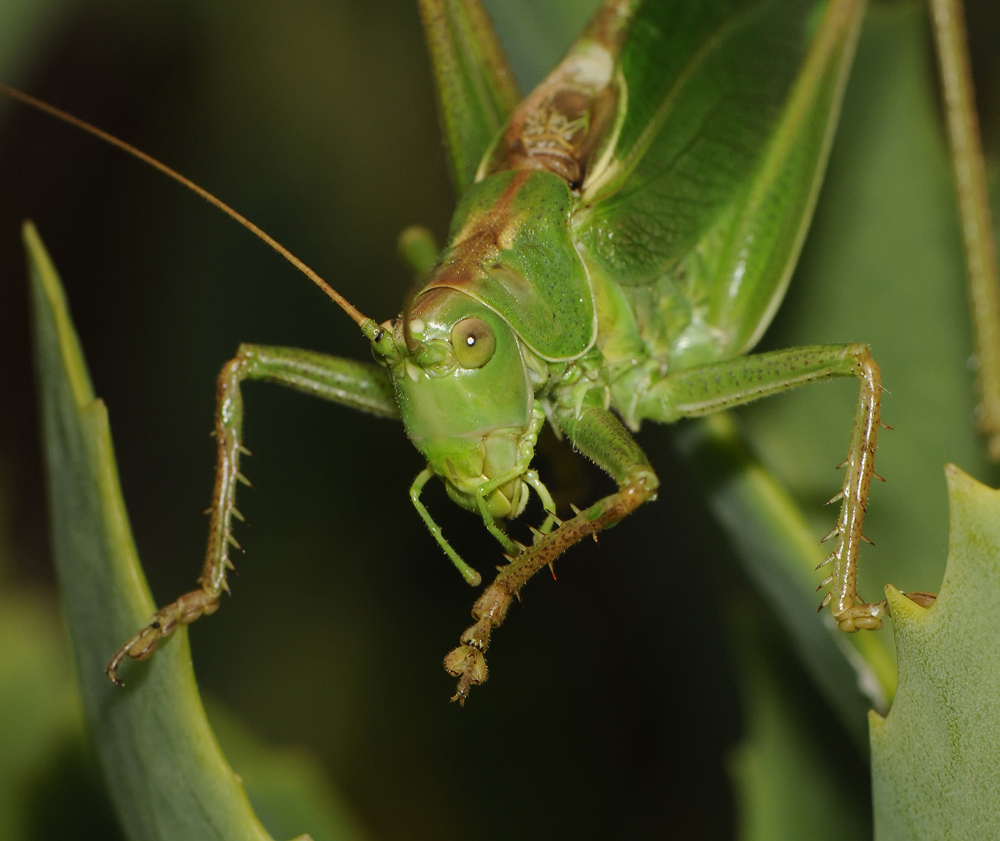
point(464, 396)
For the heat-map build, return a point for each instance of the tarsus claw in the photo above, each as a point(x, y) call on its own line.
point(184, 611)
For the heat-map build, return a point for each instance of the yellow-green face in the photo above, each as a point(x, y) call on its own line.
point(464, 395)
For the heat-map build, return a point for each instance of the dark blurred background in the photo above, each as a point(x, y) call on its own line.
point(316, 120)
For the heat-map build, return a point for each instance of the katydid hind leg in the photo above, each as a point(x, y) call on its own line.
point(363, 386)
point(711, 388)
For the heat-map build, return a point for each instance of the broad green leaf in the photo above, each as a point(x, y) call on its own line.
point(475, 87)
point(163, 767)
point(936, 755)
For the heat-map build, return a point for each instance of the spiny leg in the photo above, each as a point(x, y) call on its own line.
point(598, 434)
point(711, 388)
point(850, 611)
point(363, 386)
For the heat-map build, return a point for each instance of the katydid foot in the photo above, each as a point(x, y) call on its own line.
point(467, 662)
point(862, 617)
point(184, 611)
point(868, 617)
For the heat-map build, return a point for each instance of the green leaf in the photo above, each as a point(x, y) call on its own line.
point(162, 764)
point(936, 755)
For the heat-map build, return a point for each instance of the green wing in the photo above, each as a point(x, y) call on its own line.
point(693, 134)
point(724, 114)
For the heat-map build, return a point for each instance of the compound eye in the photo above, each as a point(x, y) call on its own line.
point(473, 342)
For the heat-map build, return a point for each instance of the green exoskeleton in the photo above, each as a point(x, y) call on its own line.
point(625, 235)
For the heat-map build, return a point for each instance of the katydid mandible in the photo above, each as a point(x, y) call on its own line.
point(622, 242)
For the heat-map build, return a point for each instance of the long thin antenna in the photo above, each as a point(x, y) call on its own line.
point(356, 315)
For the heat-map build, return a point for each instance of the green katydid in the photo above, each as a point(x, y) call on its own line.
point(537, 311)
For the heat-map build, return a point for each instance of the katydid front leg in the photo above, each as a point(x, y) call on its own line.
point(600, 436)
point(698, 391)
point(363, 386)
